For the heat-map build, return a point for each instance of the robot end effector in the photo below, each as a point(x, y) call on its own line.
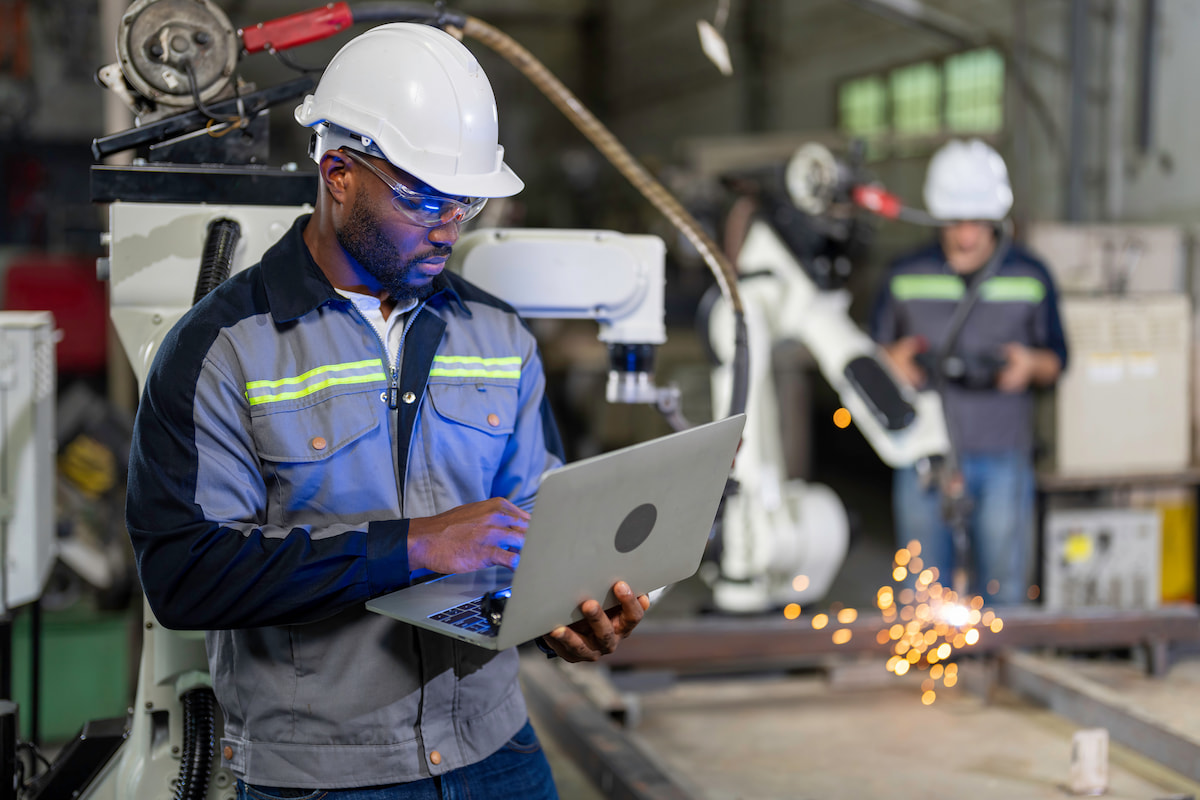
point(616, 279)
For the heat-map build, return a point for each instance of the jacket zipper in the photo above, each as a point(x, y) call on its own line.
point(393, 392)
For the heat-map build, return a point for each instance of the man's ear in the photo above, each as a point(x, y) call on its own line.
point(334, 175)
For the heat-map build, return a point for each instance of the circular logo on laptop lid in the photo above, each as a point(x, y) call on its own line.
point(636, 527)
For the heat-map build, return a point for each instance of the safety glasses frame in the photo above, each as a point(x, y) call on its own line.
point(425, 210)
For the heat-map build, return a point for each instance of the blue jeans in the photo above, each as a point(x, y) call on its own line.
point(517, 771)
point(1000, 526)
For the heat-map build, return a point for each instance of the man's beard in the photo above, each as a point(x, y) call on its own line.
point(363, 238)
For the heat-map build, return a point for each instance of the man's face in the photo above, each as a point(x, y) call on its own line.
point(968, 245)
point(403, 258)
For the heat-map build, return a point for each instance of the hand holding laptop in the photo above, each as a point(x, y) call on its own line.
point(489, 533)
point(598, 633)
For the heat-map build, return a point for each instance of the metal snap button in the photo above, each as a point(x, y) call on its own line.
point(409, 397)
point(319, 443)
point(493, 420)
point(435, 758)
point(227, 752)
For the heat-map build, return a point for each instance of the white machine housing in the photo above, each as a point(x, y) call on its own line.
point(616, 279)
point(27, 448)
point(155, 252)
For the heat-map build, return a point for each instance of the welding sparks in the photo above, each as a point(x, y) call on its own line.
point(933, 622)
point(926, 623)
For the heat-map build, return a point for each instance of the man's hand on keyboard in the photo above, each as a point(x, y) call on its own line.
point(477, 535)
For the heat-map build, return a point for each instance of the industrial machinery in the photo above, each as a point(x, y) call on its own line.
point(784, 539)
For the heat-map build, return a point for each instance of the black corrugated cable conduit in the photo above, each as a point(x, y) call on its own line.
point(217, 258)
point(199, 727)
point(407, 12)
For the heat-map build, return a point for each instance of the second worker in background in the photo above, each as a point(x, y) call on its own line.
point(1010, 342)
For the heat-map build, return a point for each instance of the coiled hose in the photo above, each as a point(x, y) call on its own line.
point(199, 727)
point(636, 174)
point(219, 244)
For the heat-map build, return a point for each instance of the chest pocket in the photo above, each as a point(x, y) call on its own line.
point(329, 457)
point(476, 418)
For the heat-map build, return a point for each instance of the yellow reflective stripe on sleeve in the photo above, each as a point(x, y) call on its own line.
point(370, 362)
point(316, 387)
point(475, 367)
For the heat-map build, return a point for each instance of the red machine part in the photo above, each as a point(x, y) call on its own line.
point(66, 286)
point(878, 200)
point(297, 29)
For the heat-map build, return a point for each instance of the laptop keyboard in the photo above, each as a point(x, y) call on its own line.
point(468, 616)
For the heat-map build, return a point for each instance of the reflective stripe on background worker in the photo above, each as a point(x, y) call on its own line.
point(301, 446)
point(1011, 343)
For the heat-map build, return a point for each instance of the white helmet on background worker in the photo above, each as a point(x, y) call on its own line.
point(416, 96)
point(967, 181)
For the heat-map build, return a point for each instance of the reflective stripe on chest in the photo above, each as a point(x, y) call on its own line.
point(508, 367)
point(1001, 289)
point(316, 379)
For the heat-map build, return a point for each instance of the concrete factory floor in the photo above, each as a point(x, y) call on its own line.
point(818, 736)
point(855, 732)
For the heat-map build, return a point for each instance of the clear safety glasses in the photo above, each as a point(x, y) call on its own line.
point(426, 210)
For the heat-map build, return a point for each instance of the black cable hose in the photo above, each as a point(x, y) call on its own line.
point(199, 726)
point(429, 13)
point(215, 263)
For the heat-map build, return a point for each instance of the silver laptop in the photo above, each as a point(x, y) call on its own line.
point(641, 514)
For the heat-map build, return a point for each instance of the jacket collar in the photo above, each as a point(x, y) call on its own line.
point(295, 285)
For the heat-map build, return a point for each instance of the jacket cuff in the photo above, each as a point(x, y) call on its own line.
point(387, 555)
point(540, 643)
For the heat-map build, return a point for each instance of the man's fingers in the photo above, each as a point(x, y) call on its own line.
point(603, 634)
point(505, 558)
point(508, 538)
point(514, 511)
point(571, 646)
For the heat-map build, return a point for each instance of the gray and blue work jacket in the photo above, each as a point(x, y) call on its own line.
point(277, 457)
point(1016, 304)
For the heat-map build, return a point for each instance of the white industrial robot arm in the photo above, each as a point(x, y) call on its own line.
point(901, 425)
point(784, 539)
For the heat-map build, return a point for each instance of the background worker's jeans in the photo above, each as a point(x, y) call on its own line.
point(1000, 526)
point(517, 771)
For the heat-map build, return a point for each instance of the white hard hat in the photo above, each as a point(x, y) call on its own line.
point(967, 181)
point(415, 95)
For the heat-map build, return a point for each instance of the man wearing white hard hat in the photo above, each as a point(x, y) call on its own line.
point(995, 305)
point(339, 420)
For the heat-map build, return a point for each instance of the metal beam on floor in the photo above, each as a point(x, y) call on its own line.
point(719, 644)
point(1092, 705)
point(614, 762)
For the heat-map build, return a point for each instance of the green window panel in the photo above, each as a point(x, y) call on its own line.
point(916, 99)
point(975, 91)
point(862, 110)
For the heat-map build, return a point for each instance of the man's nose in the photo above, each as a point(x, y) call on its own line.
point(446, 233)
